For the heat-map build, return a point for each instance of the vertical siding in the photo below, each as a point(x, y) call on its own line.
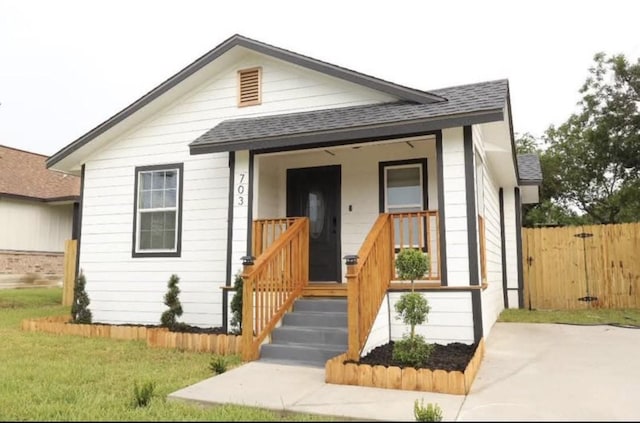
point(360, 175)
point(455, 207)
point(240, 211)
point(34, 226)
point(123, 289)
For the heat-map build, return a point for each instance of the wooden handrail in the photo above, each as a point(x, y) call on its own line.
point(368, 281)
point(266, 231)
point(271, 285)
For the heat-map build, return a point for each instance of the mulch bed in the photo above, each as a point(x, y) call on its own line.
point(181, 328)
point(450, 357)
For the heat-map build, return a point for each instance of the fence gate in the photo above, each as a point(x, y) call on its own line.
point(582, 266)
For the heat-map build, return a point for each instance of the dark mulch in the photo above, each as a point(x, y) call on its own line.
point(450, 357)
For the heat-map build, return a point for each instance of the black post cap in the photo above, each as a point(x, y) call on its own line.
point(247, 260)
point(351, 259)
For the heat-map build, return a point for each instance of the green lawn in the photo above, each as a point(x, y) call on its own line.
point(56, 377)
point(593, 316)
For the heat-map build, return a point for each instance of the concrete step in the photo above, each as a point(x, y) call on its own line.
point(303, 354)
point(315, 319)
point(310, 335)
point(321, 304)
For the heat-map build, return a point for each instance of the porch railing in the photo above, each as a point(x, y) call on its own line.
point(272, 283)
point(266, 231)
point(368, 281)
point(370, 273)
point(418, 230)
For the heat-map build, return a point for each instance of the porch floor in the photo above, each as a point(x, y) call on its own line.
point(325, 289)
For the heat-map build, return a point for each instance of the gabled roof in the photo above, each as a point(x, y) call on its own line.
point(461, 105)
point(529, 170)
point(402, 92)
point(25, 175)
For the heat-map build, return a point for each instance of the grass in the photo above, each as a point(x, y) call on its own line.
point(47, 377)
point(590, 316)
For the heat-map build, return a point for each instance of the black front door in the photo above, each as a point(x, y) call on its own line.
point(315, 192)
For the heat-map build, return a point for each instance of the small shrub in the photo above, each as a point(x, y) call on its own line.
point(430, 413)
point(413, 351)
point(168, 318)
point(80, 312)
point(236, 305)
point(218, 364)
point(142, 394)
point(412, 264)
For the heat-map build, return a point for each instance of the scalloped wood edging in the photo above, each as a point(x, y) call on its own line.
point(441, 381)
point(154, 337)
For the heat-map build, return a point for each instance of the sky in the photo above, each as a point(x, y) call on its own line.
point(66, 65)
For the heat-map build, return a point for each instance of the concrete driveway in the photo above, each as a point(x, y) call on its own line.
point(557, 372)
point(531, 372)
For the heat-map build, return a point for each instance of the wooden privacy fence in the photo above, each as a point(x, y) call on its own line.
point(582, 266)
point(68, 280)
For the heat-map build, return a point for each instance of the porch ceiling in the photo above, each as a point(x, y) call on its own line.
point(464, 105)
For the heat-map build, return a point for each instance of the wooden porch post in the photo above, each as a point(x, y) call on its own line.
point(247, 309)
point(353, 310)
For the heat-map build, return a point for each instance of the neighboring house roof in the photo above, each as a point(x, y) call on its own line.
point(529, 170)
point(461, 105)
point(400, 91)
point(25, 175)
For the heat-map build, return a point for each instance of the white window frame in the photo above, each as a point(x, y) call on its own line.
point(175, 251)
point(419, 206)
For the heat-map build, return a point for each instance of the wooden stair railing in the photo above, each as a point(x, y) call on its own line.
point(368, 278)
point(271, 285)
point(266, 231)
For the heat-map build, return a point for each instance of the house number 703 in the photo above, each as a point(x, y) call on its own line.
point(241, 188)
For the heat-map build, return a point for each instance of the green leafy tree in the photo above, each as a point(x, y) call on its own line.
point(236, 304)
point(80, 312)
point(594, 157)
point(171, 300)
point(412, 308)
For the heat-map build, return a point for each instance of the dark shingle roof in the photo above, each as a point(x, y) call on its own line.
point(460, 100)
point(529, 169)
point(24, 174)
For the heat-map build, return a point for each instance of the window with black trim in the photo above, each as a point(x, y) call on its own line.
point(158, 211)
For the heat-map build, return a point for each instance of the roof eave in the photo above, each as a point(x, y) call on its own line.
point(350, 135)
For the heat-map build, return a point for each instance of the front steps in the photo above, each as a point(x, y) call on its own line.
point(315, 331)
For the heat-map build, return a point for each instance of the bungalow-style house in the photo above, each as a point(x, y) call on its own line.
point(37, 208)
point(309, 178)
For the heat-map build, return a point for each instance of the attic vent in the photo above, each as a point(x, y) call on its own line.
point(249, 81)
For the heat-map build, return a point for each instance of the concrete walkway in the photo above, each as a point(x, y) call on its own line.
point(531, 372)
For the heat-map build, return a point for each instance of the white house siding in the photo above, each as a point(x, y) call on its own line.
point(123, 289)
point(492, 296)
point(34, 226)
point(360, 176)
point(240, 210)
point(455, 205)
point(380, 330)
point(510, 247)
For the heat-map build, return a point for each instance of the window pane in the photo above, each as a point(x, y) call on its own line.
point(145, 240)
point(171, 179)
point(169, 240)
point(170, 198)
point(169, 220)
point(145, 199)
point(156, 240)
point(157, 199)
point(157, 221)
point(145, 221)
point(158, 180)
point(403, 186)
point(316, 214)
point(146, 180)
